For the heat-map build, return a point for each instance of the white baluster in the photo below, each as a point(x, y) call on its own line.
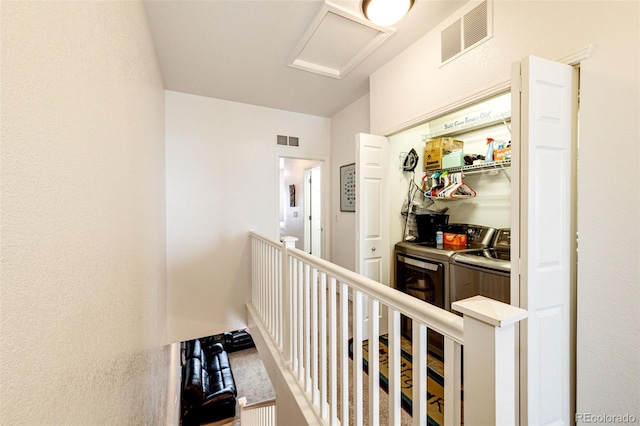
point(305, 329)
point(344, 355)
point(323, 347)
point(394, 367)
point(374, 361)
point(452, 382)
point(300, 321)
point(315, 397)
point(333, 351)
point(357, 357)
point(419, 379)
point(287, 299)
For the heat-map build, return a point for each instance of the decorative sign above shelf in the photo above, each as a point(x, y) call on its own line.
point(493, 111)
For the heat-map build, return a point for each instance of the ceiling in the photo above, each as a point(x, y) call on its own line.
point(240, 50)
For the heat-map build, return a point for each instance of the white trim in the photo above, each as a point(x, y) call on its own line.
point(383, 34)
point(174, 384)
point(576, 57)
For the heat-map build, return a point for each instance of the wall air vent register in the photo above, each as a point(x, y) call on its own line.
point(471, 29)
point(287, 140)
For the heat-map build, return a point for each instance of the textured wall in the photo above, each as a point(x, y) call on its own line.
point(222, 180)
point(344, 126)
point(83, 217)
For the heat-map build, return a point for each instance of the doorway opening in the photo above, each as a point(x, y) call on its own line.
point(301, 203)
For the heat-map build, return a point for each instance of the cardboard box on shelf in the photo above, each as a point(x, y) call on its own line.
point(436, 149)
point(502, 154)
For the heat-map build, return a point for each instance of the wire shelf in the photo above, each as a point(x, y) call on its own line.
point(477, 168)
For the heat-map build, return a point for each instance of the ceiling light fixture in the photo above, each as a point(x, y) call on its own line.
point(385, 12)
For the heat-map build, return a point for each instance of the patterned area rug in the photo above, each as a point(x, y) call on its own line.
point(435, 377)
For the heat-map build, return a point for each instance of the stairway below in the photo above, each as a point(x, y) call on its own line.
point(259, 414)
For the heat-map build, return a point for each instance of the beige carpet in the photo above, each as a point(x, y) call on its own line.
point(252, 380)
point(435, 377)
point(383, 405)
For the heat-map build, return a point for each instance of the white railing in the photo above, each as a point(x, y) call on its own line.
point(303, 302)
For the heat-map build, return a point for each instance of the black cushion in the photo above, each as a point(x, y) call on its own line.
point(219, 361)
point(213, 349)
point(209, 389)
point(192, 349)
point(193, 387)
point(237, 340)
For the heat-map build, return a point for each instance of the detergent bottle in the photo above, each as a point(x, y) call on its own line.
point(488, 158)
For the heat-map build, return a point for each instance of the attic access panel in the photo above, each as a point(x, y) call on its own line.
point(336, 42)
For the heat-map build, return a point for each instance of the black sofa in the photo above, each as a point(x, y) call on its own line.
point(208, 388)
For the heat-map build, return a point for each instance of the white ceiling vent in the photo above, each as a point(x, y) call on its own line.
point(467, 32)
point(336, 42)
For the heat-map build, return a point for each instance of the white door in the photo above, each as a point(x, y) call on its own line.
point(314, 218)
point(372, 207)
point(544, 113)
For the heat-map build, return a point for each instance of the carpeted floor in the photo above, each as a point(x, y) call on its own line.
point(435, 377)
point(252, 381)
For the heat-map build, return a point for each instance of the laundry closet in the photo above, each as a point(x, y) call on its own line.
point(450, 193)
point(490, 181)
point(538, 200)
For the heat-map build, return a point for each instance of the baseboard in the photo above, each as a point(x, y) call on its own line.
point(174, 382)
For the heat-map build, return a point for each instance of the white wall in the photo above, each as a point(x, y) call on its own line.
point(222, 181)
point(412, 86)
point(83, 217)
point(344, 126)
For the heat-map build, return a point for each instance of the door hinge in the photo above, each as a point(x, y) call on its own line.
point(520, 83)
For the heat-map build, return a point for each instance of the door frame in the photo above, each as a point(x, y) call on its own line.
point(323, 163)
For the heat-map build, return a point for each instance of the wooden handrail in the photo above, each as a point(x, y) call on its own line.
point(444, 322)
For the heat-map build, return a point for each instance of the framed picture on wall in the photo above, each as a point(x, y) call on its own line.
point(292, 195)
point(348, 188)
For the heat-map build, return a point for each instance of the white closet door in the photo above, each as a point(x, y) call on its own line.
point(315, 187)
point(372, 211)
point(546, 121)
